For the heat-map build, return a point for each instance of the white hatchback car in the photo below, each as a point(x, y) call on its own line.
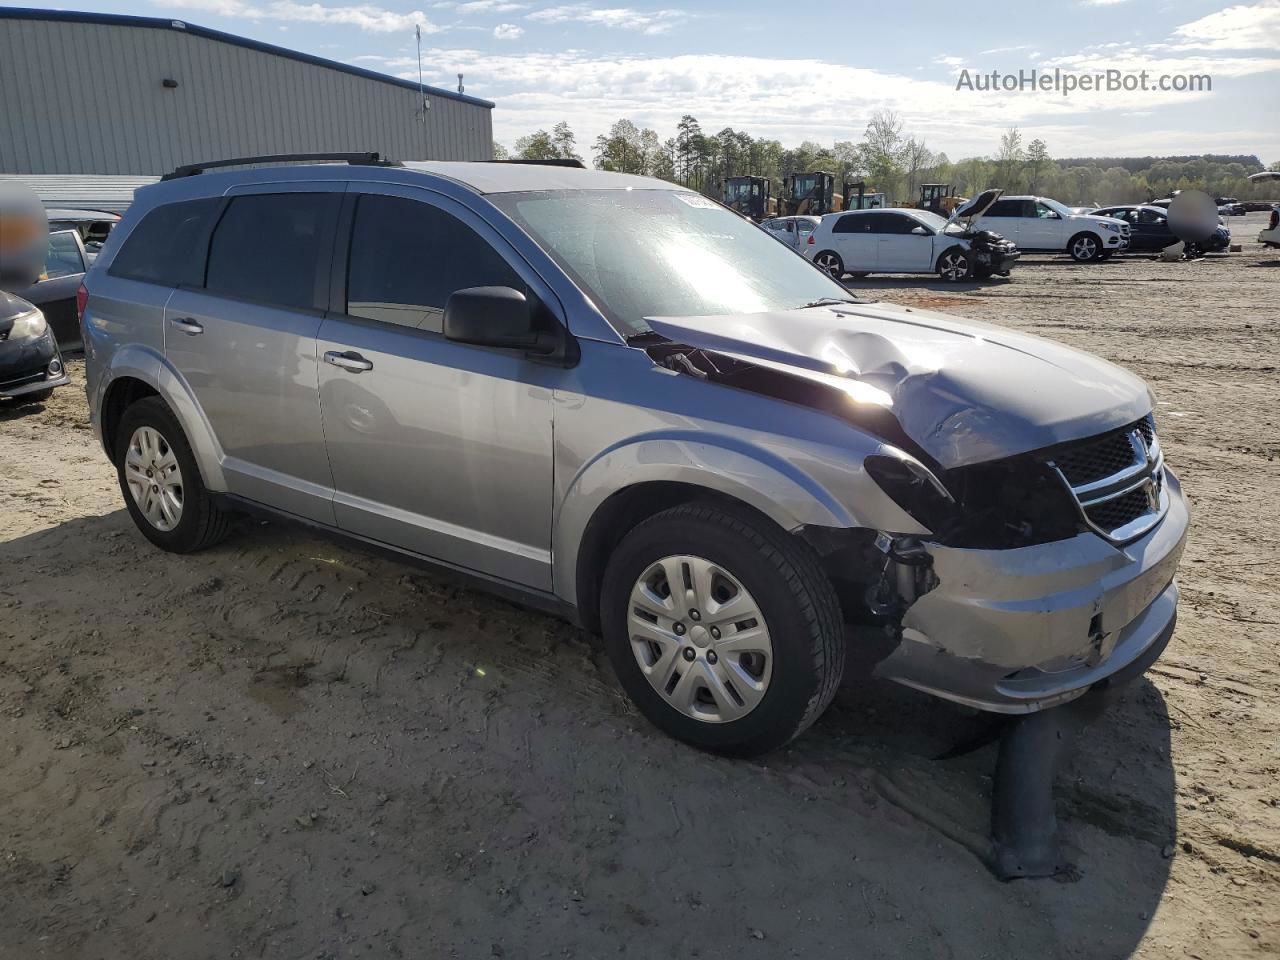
point(904, 240)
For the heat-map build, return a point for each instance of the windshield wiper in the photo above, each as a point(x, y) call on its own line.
point(828, 301)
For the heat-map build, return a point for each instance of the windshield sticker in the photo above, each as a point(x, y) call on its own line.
point(697, 200)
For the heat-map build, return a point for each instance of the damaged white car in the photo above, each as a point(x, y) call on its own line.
point(863, 242)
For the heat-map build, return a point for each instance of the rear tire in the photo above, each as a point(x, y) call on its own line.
point(184, 517)
point(829, 262)
point(669, 667)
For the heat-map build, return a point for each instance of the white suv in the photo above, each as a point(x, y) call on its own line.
point(1038, 223)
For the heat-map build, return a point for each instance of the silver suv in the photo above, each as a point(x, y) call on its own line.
point(615, 399)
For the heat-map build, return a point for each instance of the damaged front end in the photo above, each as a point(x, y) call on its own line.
point(1042, 572)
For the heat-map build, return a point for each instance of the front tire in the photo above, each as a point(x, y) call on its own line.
point(161, 484)
point(724, 631)
point(1085, 247)
point(829, 262)
point(955, 266)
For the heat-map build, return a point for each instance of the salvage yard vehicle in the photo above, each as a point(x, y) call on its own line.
point(54, 291)
point(1149, 228)
point(30, 364)
point(793, 231)
point(1041, 224)
point(911, 241)
point(612, 398)
point(94, 226)
point(1270, 235)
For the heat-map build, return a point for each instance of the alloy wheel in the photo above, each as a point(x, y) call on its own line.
point(700, 639)
point(828, 263)
point(954, 266)
point(1085, 248)
point(154, 478)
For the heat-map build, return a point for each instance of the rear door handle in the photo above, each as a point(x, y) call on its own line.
point(188, 326)
point(348, 361)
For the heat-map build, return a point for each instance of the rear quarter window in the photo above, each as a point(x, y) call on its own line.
point(166, 246)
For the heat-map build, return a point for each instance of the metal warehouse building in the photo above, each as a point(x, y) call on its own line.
point(86, 93)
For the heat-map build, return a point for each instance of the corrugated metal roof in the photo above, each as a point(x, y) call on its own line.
point(157, 23)
point(83, 192)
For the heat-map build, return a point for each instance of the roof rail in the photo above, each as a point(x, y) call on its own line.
point(549, 162)
point(355, 159)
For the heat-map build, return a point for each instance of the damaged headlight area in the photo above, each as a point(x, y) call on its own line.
point(1016, 502)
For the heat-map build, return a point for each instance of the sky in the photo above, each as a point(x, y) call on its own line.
point(808, 71)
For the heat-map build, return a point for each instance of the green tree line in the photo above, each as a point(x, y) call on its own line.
point(895, 162)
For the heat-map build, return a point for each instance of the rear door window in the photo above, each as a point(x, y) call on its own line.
point(407, 257)
point(854, 223)
point(274, 249)
point(167, 246)
point(1005, 208)
point(65, 258)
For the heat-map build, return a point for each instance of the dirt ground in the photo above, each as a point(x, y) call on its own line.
point(286, 748)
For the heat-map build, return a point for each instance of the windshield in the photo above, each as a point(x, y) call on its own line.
point(665, 253)
point(1056, 206)
point(929, 219)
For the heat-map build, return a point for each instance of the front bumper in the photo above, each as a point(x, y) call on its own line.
point(30, 365)
point(997, 261)
point(1270, 238)
point(1015, 631)
point(1115, 241)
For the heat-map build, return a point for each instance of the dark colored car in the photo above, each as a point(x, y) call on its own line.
point(1149, 227)
point(30, 364)
point(55, 292)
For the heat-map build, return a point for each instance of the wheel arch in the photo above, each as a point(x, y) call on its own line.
point(620, 489)
point(141, 372)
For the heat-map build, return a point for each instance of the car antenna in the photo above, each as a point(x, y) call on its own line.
point(426, 105)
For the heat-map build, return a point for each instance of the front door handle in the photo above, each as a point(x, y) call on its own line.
point(188, 325)
point(348, 361)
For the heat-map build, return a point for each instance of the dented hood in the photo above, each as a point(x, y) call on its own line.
point(965, 392)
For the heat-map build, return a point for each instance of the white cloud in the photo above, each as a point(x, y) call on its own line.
point(621, 18)
point(951, 61)
point(465, 7)
point(1242, 27)
point(777, 98)
point(507, 31)
point(363, 16)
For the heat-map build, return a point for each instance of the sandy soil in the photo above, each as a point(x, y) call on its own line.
point(287, 748)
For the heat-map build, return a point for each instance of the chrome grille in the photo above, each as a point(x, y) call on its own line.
point(1117, 480)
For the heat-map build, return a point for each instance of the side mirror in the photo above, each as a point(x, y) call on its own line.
point(494, 317)
point(920, 231)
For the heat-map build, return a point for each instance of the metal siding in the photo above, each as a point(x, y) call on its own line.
point(231, 101)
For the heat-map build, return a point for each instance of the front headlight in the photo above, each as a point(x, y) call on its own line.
point(1113, 227)
point(28, 326)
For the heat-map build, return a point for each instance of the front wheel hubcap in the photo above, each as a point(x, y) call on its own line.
point(154, 478)
point(719, 669)
point(953, 268)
